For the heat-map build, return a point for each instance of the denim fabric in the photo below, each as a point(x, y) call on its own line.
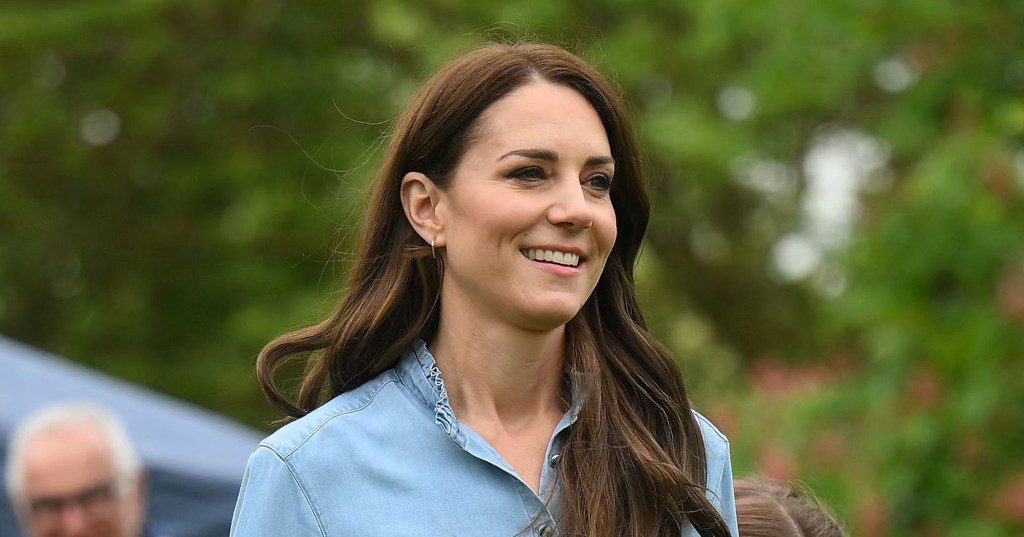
point(390, 458)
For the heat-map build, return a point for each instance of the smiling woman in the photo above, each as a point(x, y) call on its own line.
point(489, 371)
point(535, 177)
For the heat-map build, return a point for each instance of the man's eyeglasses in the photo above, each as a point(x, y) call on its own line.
point(95, 502)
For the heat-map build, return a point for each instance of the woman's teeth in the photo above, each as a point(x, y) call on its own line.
point(552, 256)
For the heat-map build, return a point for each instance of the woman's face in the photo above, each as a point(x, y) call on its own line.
point(528, 220)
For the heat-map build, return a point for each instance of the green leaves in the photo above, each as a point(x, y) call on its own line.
point(180, 181)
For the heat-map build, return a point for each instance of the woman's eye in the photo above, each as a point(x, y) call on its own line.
point(531, 173)
point(600, 181)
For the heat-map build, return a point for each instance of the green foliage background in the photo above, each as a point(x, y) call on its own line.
point(179, 181)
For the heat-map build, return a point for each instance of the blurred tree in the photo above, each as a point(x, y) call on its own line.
point(838, 192)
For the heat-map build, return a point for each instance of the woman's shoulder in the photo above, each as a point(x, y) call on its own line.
point(347, 409)
point(716, 445)
point(719, 472)
point(712, 435)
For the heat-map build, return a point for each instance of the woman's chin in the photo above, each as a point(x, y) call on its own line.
point(550, 316)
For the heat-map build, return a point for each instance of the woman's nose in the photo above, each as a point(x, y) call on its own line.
point(570, 207)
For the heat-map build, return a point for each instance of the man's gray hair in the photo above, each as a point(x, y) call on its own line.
point(67, 416)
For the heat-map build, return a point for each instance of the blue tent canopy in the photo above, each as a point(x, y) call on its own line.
point(192, 491)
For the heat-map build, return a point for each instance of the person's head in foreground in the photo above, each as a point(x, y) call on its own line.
point(510, 205)
point(768, 508)
point(71, 472)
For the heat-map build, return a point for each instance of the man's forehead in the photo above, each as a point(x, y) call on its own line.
point(65, 459)
point(85, 433)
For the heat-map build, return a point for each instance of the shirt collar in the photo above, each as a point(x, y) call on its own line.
point(418, 370)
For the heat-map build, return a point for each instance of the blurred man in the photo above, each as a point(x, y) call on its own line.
point(73, 473)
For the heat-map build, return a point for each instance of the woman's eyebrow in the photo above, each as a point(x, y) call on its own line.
point(598, 161)
point(545, 154)
point(542, 154)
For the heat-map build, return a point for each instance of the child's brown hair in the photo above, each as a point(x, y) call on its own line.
point(767, 508)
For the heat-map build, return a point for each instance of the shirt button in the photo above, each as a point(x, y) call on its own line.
point(545, 531)
point(554, 459)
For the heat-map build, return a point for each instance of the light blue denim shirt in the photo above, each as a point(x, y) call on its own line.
point(390, 458)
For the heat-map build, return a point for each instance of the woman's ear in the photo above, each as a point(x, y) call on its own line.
point(420, 199)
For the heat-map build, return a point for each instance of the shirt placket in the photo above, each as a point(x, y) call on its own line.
point(471, 442)
point(533, 504)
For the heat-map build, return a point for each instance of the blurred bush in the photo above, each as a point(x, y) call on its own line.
point(836, 253)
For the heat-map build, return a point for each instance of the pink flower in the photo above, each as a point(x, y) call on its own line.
point(778, 463)
point(1008, 501)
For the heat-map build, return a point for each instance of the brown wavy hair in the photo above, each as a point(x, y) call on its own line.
point(634, 462)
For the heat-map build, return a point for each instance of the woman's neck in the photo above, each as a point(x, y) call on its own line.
point(499, 374)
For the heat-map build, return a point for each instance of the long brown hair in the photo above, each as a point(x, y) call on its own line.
point(634, 462)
